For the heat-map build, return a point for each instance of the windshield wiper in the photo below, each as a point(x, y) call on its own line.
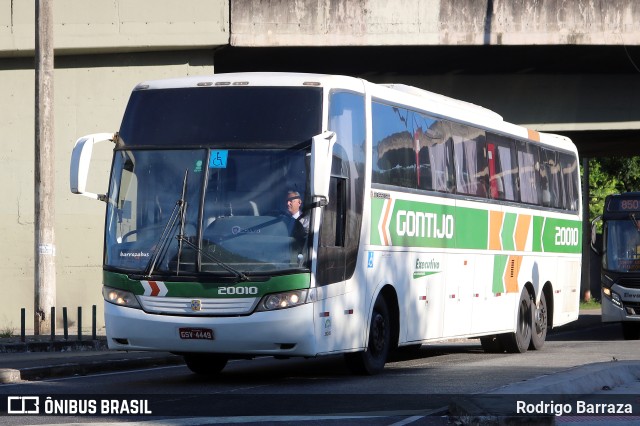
point(240, 276)
point(183, 215)
point(632, 216)
point(178, 212)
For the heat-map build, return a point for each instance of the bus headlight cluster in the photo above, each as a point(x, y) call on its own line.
point(615, 298)
point(120, 297)
point(287, 299)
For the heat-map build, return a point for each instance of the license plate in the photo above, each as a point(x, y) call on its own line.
point(196, 333)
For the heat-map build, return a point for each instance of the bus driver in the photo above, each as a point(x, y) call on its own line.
point(294, 208)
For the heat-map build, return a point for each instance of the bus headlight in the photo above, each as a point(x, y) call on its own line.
point(120, 297)
point(287, 299)
point(615, 298)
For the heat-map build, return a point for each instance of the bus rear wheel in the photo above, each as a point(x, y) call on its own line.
point(206, 364)
point(518, 342)
point(372, 360)
point(539, 323)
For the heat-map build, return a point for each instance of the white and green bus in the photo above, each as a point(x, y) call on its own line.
point(427, 218)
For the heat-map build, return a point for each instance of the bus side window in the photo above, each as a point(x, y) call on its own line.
point(550, 178)
point(502, 168)
point(334, 214)
point(471, 160)
point(529, 172)
point(569, 168)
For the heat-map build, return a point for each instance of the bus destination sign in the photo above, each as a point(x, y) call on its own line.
point(619, 204)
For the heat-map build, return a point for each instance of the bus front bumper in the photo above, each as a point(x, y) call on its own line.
point(286, 332)
point(620, 304)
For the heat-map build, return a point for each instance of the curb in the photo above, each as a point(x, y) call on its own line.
point(85, 367)
point(55, 346)
point(93, 367)
point(585, 379)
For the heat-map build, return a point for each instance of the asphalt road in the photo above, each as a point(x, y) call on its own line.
point(416, 389)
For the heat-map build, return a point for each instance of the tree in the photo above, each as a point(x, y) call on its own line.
point(626, 171)
point(601, 184)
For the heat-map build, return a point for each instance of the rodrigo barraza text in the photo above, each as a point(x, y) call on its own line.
point(575, 407)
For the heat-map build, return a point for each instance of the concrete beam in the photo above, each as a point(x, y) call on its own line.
point(82, 26)
point(261, 23)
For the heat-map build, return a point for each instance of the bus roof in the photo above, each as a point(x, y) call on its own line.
point(430, 102)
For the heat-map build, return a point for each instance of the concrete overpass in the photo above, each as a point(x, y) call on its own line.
point(570, 67)
point(566, 67)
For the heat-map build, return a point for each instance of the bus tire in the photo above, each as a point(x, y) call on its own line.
point(206, 364)
point(492, 344)
point(518, 342)
point(539, 323)
point(372, 360)
point(631, 330)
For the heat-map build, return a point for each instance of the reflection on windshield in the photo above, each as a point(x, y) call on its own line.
point(622, 246)
point(232, 212)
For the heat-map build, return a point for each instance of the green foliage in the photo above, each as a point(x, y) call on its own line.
point(601, 184)
point(590, 304)
point(611, 176)
point(626, 171)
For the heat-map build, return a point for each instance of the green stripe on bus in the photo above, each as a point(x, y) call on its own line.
point(377, 206)
point(508, 229)
point(210, 290)
point(472, 228)
point(499, 266)
point(416, 224)
point(538, 223)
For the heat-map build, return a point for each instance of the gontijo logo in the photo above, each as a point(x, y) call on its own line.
point(425, 225)
point(407, 223)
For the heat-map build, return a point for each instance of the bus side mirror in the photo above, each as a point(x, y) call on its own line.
point(80, 162)
point(321, 156)
point(596, 240)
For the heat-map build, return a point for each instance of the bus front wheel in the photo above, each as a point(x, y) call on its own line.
point(372, 360)
point(518, 342)
point(206, 364)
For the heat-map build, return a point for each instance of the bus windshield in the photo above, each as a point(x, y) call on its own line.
point(207, 211)
point(622, 242)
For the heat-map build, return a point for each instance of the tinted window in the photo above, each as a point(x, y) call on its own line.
point(472, 176)
point(268, 116)
point(570, 190)
point(342, 218)
point(550, 179)
point(411, 150)
point(394, 158)
point(503, 167)
point(529, 172)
